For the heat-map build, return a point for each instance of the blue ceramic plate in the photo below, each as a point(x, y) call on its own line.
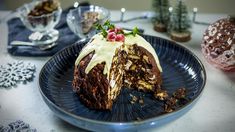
point(181, 68)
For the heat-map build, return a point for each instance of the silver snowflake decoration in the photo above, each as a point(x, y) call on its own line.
point(16, 72)
point(17, 126)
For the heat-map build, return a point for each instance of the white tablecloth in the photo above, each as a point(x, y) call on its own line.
point(214, 111)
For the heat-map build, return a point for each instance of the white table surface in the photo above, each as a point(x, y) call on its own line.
point(213, 112)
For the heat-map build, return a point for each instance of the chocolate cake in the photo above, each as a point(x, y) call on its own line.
point(105, 65)
point(218, 45)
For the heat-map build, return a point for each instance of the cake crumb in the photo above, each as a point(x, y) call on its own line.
point(176, 100)
point(161, 94)
point(133, 99)
point(179, 93)
point(138, 119)
point(141, 101)
point(170, 104)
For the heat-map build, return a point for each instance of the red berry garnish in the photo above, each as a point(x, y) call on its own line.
point(120, 37)
point(111, 36)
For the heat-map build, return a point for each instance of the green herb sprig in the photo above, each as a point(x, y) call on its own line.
point(133, 32)
point(107, 26)
point(101, 28)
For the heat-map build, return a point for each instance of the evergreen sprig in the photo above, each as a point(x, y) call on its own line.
point(133, 32)
point(103, 31)
point(108, 26)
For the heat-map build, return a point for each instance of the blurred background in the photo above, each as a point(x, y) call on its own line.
point(204, 6)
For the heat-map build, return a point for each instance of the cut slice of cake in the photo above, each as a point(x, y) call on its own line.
point(109, 62)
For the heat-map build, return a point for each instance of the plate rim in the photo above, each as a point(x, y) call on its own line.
point(131, 123)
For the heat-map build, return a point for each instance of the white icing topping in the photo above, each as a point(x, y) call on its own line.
point(105, 50)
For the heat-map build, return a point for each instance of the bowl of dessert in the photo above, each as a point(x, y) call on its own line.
point(41, 17)
point(81, 20)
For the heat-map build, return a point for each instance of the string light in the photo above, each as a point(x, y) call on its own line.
point(123, 10)
point(170, 9)
point(76, 4)
point(194, 14)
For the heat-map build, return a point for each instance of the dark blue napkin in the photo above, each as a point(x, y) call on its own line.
point(17, 31)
